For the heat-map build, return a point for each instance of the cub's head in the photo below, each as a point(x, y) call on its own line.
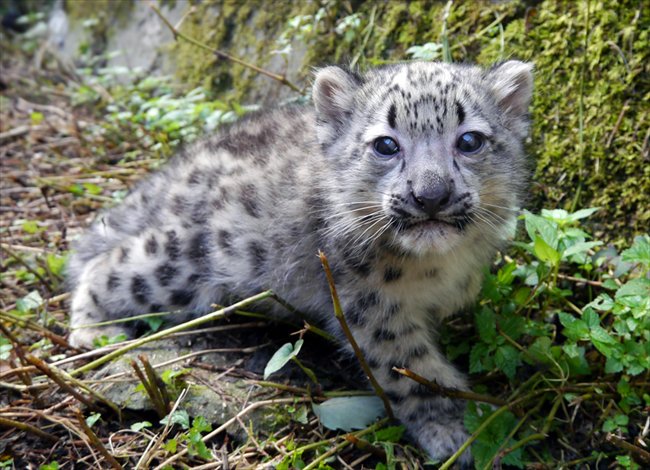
point(425, 155)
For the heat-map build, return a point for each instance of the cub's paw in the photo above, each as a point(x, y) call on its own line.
point(441, 441)
point(85, 337)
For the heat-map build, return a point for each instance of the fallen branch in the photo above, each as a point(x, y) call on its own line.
point(338, 312)
point(164, 333)
point(96, 443)
point(450, 392)
point(642, 455)
point(223, 55)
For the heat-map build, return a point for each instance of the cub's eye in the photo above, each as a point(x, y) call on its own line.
point(385, 147)
point(470, 142)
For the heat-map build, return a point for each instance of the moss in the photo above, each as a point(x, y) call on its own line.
point(600, 159)
point(245, 30)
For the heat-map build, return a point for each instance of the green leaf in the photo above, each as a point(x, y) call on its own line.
point(389, 434)
point(92, 419)
point(512, 325)
point(477, 356)
point(603, 303)
point(574, 328)
point(50, 466)
point(31, 227)
point(140, 426)
point(546, 229)
point(55, 263)
point(92, 188)
point(507, 359)
point(582, 213)
point(603, 341)
point(171, 445)
point(576, 360)
point(179, 417)
point(30, 302)
point(540, 350)
point(639, 252)
point(348, 413)
point(486, 325)
point(201, 424)
point(545, 252)
point(281, 357)
point(635, 294)
point(580, 247)
point(36, 117)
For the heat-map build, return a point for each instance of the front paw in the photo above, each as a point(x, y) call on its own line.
point(442, 440)
point(85, 337)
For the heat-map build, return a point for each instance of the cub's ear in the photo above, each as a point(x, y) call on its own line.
point(512, 85)
point(333, 93)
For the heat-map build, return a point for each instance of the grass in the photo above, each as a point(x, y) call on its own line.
point(558, 346)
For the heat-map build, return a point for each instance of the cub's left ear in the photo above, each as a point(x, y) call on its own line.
point(333, 92)
point(512, 86)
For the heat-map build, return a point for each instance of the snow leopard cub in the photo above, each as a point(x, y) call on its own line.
point(406, 176)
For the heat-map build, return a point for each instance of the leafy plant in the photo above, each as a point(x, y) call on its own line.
point(564, 311)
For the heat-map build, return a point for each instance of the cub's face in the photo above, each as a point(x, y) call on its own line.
point(427, 155)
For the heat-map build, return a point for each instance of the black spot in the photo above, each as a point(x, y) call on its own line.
point(384, 335)
point(372, 363)
point(248, 198)
point(124, 255)
point(94, 297)
point(357, 262)
point(217, 204)
point(417, 351)
point(394, 397)
point(156, 308)
point(355, 317)
point(392, 115)
point(181, 297)
point(420, 390)
point(195, 177)
point(173, 245)
point(140, 289)
point(393, 374)
point(179, 203)
point(165, 273)
point(199, 248)
point(366, 301)
point(193, 278)
point(393, 309)
point(461, 113)
point(431, 273)
point(200, 213)
point(113, 282)
point(151, 245)
point(258, 257)
point(224, 239)
point(392, 274)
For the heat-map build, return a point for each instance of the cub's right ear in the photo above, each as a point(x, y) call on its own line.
point(333, 93)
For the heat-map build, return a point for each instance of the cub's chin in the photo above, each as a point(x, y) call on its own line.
point(431, 237)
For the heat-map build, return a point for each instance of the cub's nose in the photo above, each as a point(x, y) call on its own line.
point(432, 200)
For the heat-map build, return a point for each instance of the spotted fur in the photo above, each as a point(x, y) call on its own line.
point(408, 235)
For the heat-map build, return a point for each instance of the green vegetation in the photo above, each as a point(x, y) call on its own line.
point(557, 347)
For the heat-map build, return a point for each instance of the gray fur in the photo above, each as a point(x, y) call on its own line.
point(248, 208)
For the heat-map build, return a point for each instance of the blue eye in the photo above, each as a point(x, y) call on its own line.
point(385, 147)
point(470, 142)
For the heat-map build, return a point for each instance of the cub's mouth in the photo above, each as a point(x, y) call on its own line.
point(458, 224)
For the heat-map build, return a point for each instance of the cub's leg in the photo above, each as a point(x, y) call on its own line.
point(151, 272)
point(390, 337)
